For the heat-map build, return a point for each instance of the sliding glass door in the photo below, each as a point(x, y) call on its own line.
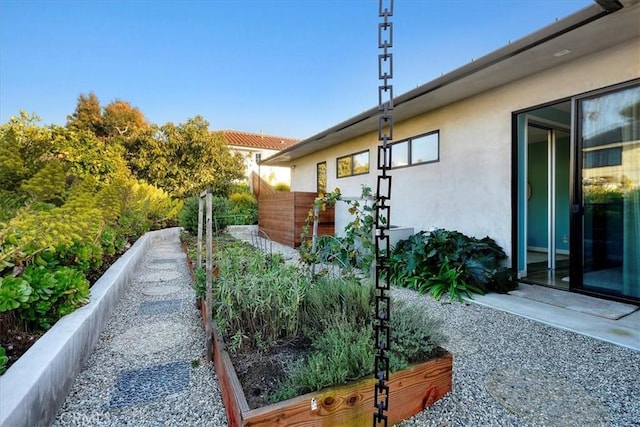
point(606, 210)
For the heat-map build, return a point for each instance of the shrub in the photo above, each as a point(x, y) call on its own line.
point(341, 353)
point(244, 207)
point(10, 204)
point(282, 187)
point(448, 261)
point(14, 291)
point(343, 349)
point(188, 216)
point(256, 298)
point(415, 336)
point(330, 300)
point(54, 294)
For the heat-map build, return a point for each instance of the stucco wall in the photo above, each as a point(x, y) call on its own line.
point(272, 174)
point(469, 189)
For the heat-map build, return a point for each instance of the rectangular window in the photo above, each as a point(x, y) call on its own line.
point(400, 154)
point(603, 157)
point(321, 177)
point(353, 164)
point(416, 150)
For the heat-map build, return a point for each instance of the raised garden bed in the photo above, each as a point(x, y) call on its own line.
point(411, 391)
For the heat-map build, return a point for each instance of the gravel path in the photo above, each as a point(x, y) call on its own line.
point(149, 370)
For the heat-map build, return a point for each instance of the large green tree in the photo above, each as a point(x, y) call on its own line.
point(24, 145)
point(184, 159)
point(120, 119)
point(26, 148)
point(87, 115)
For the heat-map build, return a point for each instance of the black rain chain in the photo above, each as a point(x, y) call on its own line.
point(382, 212)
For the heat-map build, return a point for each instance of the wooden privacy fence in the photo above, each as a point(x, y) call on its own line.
point(282, 215)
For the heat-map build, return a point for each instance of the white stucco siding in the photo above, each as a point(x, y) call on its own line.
point(272, 174)
point(469, 189)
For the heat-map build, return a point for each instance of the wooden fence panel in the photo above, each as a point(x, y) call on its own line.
point(282, 216)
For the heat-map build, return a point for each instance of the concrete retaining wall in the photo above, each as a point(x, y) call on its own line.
point(33, 388)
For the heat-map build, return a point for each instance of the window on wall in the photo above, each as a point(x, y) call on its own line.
point(321, 177)
point(603, 157)
point(417, 150)
point(353, 164)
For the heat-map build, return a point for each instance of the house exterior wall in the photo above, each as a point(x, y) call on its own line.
point(469, 189)
point(272, 174)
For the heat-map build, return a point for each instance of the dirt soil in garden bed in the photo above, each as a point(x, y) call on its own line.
point(14, 340)
point(260, 372)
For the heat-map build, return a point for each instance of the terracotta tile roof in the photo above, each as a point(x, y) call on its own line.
point(257, 140)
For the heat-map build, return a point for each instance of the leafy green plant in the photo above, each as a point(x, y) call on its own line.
point(3, 360)
point(188, 216)
point(200, 283)
point(53, 294)
point(342, 348)
point(14, 291)
point(307, 254)
point(359, 231)
point(242, 201)
point(442, 261)
point(356, 247)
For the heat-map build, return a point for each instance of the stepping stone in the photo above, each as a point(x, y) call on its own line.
point(461, 345)
point(160, 276)
point(163, 261)
point(160, 290)
point(546, 399)
point(163, 267)
point(139, 386)
point(153, 308)
point(150, 338)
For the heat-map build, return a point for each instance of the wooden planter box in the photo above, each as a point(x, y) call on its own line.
point(351, 405)
point(282, 215)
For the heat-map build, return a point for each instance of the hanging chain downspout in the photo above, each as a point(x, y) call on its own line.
point(382, 213)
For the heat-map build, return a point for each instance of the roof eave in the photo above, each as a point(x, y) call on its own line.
point(563, 26)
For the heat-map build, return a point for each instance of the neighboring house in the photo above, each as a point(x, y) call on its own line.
point(257, 146)
point(536, 145)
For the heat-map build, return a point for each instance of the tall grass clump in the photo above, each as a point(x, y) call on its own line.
point(257, 301)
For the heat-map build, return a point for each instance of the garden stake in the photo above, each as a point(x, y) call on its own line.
point(382, 213)
point(206, 199)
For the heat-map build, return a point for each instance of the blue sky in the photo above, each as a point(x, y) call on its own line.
point(285, 67)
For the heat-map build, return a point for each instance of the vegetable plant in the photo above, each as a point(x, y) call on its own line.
point(442, 261)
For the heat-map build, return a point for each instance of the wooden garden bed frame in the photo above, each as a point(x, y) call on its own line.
point(351, 405)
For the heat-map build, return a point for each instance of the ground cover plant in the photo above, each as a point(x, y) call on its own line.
point(442, 261)
point(323, 328)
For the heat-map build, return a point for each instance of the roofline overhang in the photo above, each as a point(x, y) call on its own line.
point(554, 30)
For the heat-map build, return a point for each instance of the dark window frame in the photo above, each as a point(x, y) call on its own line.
point(409, 142)
point(352, 168)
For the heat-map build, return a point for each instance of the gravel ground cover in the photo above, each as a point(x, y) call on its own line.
point(149, 369)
